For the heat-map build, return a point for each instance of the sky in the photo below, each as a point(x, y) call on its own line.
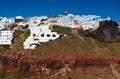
point(28, 8)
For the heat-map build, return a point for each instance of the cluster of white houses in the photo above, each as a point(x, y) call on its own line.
point(31, 21)
point(39, 27)
point(76, 21)
point(6, 36)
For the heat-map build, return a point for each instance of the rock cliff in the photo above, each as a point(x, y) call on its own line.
point(108, 31)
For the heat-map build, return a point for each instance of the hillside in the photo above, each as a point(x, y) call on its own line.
point(74, 43)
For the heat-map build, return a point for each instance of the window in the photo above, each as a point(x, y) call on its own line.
point(36, 39)
point(48, 35)
point(33, 34)
point(54, 35)
point(42, 35)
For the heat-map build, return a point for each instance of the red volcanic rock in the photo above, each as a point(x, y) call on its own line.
point(30, 65)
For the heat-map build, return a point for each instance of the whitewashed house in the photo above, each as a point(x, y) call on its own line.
point(19, 20)
point(4, 21)
point(6, 37)
point(19, 17)
point(35, 21)
point(7, 20)
point(66, 20)
point(2, 25)
point(21, 24)
point(38, 35)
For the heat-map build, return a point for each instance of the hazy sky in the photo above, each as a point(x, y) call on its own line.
point(27, 8)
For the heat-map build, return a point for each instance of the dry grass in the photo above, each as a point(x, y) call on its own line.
point(72, 45)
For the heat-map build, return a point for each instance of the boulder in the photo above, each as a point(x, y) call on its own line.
point(108, 31)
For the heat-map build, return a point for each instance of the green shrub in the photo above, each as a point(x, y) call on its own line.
point(26, 34)
point(62, 30)
point(84, 32)
point(6, 46)
point(17, 33)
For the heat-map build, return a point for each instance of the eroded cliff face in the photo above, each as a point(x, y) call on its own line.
point(107, 31)
point(30, 65)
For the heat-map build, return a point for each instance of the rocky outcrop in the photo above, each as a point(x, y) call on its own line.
point(108, 31)
point(9, 62)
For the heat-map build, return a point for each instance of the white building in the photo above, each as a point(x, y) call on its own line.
point(35, 21)
point(19, 17)
point(119, 26)
point(39, 34)
point(4, 21)
point(2, 25)
point(6, 37)
point(66, 20)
